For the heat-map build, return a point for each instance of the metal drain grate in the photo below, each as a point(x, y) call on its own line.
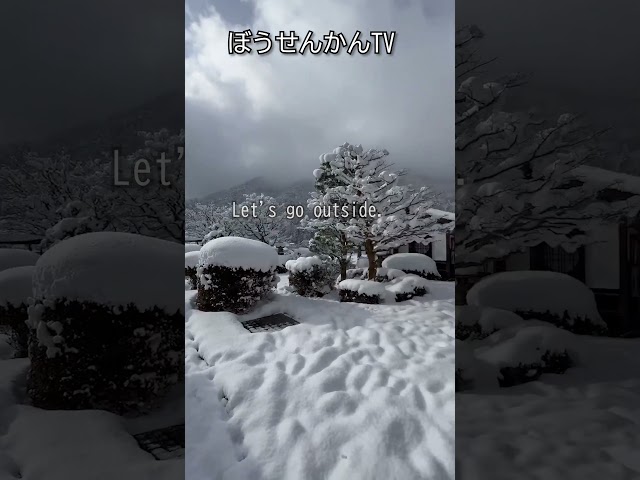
point(272, 323)
point(164, 443)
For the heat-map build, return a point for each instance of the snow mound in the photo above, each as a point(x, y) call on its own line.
point(486, 319)
point(191, 247)
point(16, 286)
point(528, 345)
point(407, 284)
point(416, 262)
point(191, 259)
point(16, 257)
point(238, 252)
point(114, 269)
point(303, 264)
point(363, 287)
point(536, 291)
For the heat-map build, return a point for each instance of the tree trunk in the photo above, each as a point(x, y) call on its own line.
point(371, 257)
point(343, 270)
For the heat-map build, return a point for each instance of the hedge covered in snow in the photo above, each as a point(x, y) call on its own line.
point(475, 322)
point(361, 291)
point(312, 276)
point(106, 323)
point(408, 286)
point(549, 296)
point(15, 291)
point(414, 263)
point(234, 274)
point(382, 274)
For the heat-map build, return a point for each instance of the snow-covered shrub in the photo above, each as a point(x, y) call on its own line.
point(408, 286)
point(15, 291)
point(106, 324)
point(312, 276)
point(414, 263)
point(16, 257)
point(475, 322)
point(382, 274)
point(190, 267)
point(530, 352)
point(234, 274)
point(549, 296)
point(361, 291)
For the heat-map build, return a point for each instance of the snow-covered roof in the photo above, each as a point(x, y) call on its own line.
point(604, 178)
point(441, 214)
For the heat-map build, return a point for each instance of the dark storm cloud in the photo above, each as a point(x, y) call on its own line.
point(274, 115)
point(582, 53)
point(69, 62)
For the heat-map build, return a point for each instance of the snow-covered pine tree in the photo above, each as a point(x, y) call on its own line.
point(365, 179)
point(327, 238)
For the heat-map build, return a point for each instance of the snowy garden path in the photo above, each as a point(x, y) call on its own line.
point(360, 392)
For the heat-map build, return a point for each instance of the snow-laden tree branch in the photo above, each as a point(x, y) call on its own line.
point(518, 170)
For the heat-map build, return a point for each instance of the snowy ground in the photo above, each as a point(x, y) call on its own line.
point(355, 391)
point(37, 444)
point(583, 424)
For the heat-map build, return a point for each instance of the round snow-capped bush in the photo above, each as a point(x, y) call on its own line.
point(191, 260)
point(191, 247)
point(548, 296)
point(361, 291)
point(17, 257)
point(312, 276)
point(415, 263)
point(234, 274)
point(15, 291)
point(408, 286)
point(106, 324)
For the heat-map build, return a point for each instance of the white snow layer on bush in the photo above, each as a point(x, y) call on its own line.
point(303, 264)
point(191, 247)
point(416, 262)
point(16, 286)
point(237, 252)
point(536, 291)
point(191, 259)
point(363, 287)
point(528, 345)
point(488, 318)
point(16, 257)
point(113, 269)
point(407, 284)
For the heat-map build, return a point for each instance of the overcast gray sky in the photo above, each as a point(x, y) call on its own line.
point(275, 114)
point(69, 62)
point(583, 54)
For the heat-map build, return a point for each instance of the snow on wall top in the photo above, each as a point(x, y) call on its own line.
point(411, 261)
point(238, 252)
point(191, 247)
point(607, 178)
point(191, 259)
point(536, 291)
point(16, 257)
point(16, 286)
point(113, 269)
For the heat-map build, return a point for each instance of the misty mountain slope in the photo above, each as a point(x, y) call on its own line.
point(297, 192)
